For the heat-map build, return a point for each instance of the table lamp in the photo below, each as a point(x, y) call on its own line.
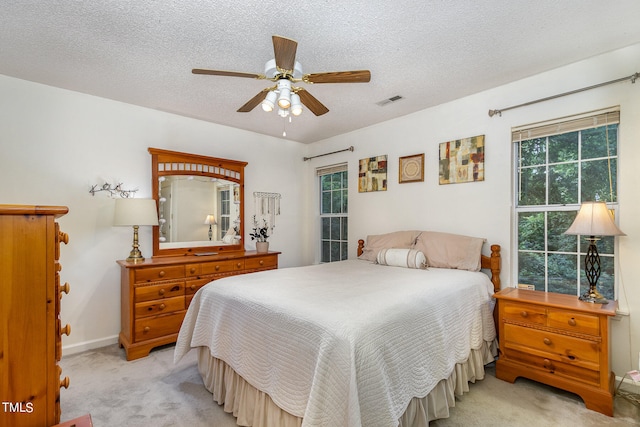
point(593, 219)
point(135, 212)
point(210, 220)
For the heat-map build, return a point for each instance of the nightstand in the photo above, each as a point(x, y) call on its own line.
point(558, 340)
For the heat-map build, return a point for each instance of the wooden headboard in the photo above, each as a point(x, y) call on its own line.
point(492, 263)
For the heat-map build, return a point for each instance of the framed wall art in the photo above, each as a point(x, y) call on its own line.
point(372, 174)
point(411, 168)
point(462, 160)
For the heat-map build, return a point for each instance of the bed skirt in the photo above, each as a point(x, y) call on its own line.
point(254, 408)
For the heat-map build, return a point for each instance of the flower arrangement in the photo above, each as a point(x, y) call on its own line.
point(260, 234)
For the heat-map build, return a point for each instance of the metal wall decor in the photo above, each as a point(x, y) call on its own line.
point(113, 190)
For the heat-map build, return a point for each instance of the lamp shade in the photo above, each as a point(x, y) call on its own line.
point(131, 212)
point(594, 219)
point(210, 220)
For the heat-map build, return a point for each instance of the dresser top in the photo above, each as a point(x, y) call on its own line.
point(552, 299)
point(188, 259)
point(33, 210)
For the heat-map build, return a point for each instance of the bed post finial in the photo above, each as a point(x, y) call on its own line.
point(360, 246)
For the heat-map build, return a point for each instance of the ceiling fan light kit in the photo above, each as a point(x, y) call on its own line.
point(285, 70)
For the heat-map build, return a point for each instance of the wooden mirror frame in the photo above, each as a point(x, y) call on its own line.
point(165, 163)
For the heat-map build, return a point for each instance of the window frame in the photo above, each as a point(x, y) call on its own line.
point(343, 216)
point(564, 125)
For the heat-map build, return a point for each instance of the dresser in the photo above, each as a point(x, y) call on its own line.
point(558, 340)
point(30, 338)
point(156, 293)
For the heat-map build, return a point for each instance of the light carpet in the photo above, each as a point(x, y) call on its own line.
point(154, 392)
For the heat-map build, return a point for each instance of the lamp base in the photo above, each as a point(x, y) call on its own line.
point(135, 255)
point(593, 296)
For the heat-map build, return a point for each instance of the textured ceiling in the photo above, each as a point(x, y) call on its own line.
point(428, 51)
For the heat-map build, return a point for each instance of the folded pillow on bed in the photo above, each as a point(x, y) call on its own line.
point(409, 258)
point(396, 239)
point(445, 250)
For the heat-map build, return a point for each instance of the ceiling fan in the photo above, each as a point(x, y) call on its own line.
point(285, 71)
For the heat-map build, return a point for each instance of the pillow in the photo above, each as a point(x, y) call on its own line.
point(396, 239)
point(445, 250)
point(409, 258)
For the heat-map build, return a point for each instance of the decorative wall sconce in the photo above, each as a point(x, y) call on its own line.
point(113, 190)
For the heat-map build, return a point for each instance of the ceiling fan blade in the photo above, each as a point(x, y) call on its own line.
point(227, 73)
point(253, 102)
point(312, 103)
point(360, 76)
point(284, 50)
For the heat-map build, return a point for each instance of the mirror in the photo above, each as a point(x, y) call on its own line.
point(200, 203)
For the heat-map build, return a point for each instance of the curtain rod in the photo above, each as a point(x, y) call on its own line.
point(304, 159)
point(632, 77)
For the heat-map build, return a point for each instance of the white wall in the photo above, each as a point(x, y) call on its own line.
point(55, 144)
point(483, 209)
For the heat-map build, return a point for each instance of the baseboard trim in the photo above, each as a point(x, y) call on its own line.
point(88, 345)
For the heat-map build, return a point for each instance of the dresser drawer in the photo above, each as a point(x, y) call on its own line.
point(263, 262)
point(158, 326)
point(159, 273)
point(573, 350)
point(162, 306)
point(574, 322)
point(194, 285)
point(222, 266)
point(154, 292)
point(524, 313)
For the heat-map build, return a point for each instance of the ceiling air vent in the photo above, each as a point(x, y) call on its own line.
point(389, 100)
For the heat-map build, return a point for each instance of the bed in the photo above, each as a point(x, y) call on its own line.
point(388, 339)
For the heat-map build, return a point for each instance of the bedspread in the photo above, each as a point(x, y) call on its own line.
point(346, 343)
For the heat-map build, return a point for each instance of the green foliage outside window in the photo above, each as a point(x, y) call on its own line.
point(333, 217)
point(555, 175)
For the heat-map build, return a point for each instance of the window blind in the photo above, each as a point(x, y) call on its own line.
point(588, 120)
point(327, 170)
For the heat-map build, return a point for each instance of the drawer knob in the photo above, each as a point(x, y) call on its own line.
point(547, 341)
point(66, 330)
point(547, 364)
point(161, 291)
point(572, 322)
point(193, 270)
point(193, 287)
point(146, 329)
point(261, 262)
point(162, 307)
point(239, 265)
point(64, 288)
point(217, 267)
point(524, 314)
point(63, 237)
point(64, 382)
point(162, 273)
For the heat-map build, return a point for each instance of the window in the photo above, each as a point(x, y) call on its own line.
point(225, 211)
point(333, 213)
point(560, 165)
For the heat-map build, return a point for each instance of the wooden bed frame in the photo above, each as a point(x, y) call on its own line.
point(491, 263)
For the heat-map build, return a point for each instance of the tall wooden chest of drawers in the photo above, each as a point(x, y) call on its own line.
point(156, 293)
point(30, 329)
point(558, 340)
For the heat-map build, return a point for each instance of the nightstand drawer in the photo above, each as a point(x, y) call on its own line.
point(576, 351)
point(527, 313)
point(154, 292)
point(568, 370)
point(162, 306)
point(159, 273)
point(265, 262)
point(574, 322)
point(159, 326)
